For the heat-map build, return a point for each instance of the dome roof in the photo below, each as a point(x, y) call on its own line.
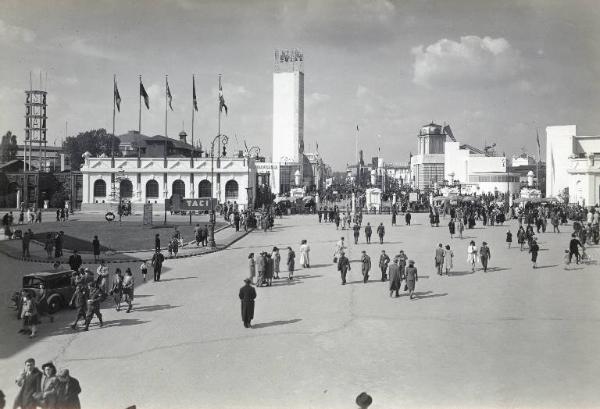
point(431, 129)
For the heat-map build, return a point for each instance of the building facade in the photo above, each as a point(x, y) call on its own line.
point(573, 165)
point(427, 166)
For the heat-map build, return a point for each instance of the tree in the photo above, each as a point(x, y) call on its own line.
point(96, 142)
point(8, 147)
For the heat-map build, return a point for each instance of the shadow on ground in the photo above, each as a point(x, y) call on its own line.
point(275, 323)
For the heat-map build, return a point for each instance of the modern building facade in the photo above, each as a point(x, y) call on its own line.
point(572, 165)
point(427, 166)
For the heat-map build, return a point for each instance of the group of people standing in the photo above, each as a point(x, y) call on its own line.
point(266, 265)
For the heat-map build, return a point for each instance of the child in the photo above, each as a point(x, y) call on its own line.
point(566, 259)
point(144, 268)
point(508, 238)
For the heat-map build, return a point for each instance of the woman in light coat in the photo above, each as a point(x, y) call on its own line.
point(276, 261)
point(448, 255)
point(304, 254)
point(472, 255)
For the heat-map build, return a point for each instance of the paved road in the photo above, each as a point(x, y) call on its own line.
point(514, 337)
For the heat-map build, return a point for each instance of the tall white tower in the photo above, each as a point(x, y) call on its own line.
point(288, 106)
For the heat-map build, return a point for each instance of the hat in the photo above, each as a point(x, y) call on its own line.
point(411, 262)
point(48, 365)
point(247, 280)
point(484, 243)
point(364, 400)
point(63, 373)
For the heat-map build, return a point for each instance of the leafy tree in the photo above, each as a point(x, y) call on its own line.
point(96, 142)
point(8, 147)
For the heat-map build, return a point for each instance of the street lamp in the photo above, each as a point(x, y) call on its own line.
point(252, 151)
point(223, 139)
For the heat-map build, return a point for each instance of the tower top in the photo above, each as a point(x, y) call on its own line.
point(289, 60)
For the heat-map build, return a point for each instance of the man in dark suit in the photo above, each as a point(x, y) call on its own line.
point(68, 391)
point(29, 381)
point(157, 262)
point(247, 296)
point(75, 261)
point(343, 266)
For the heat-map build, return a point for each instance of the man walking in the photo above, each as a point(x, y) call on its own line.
point(396, 277)
point(484, 255)
point(407, 218)
point(68, 390)
point(79, 301)
point(157, 262)
point(356, 229)
point(366, 266)
point(247, 296)
point(439, 259)
point(93, 305)
point(368, 232)
point(384, 260)
point(29, 381)
point(26, 240)
point(343, 266)
point(157, 242)
point(380, 232)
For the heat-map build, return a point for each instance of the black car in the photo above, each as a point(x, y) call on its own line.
point(52, 289)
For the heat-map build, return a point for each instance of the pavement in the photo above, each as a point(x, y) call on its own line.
point(514, 337)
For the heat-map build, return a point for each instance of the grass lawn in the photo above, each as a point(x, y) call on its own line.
point(127, 236)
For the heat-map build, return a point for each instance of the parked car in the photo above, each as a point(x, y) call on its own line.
point(52, 289)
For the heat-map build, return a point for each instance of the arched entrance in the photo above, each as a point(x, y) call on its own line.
point(204, 189)
point(178, 188)
point(126, 189)
point(151, 189)
point(99, 189)
point(231, 190)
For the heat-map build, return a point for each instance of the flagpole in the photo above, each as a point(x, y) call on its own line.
point(140, 114)
point(193, 109)
point(112, 150)
point(219, 126)
point(166, 116)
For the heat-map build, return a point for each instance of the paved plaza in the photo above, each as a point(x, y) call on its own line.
point(512, 337)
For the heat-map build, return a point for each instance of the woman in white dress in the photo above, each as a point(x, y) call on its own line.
point(472, 255)
point(304, 254)
point(448, 255)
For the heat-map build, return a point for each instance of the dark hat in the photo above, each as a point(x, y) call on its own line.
point(411, 262)
point(247, 280)
point(48, 365)
point(484, 243)
point(364, 400)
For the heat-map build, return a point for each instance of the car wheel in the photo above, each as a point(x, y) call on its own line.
point(54, 305)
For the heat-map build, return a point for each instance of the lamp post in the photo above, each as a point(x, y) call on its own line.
point(223, 139)
point(251, 151)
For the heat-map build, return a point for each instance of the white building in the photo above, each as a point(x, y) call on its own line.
point(573, 163)
point(427, 166)
point(152, 180)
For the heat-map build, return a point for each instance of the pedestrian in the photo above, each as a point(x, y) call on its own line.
point(448, 256)
point(38, 216)
point(198, 234)
point(75, 261)
point(22, 217)
point(49, 245)
point(57, 245)
point(247, 296)
point(57, 215)
point(205, 236)
point(25, 242)
point(368, 232)
point(407, 217)
point(157, 262)
point(47, 396)
point(102, 276)
point(396, 277)
point(276, 261)
point(128, 286)
point(343, 266)
point(62, 215)
point(534, 249)
point(261, 266)
point(117, 288)
point(251, 267)
point(380, 232)
point(156, 242)
point(269, 269)
point(96, 248)
point(95, 295)
point(484, 255)
point(508, 238)
point(472, 255)
point(384, 260)
point(356, 230)
point(439, 259)
point(304, 254)
point(461, 228)
point(521, 237)
point(290, 263)
point(144, 269)
point(411, 278)
point(68, 390)
point(574, 245)
point(29, 314)
point(79, 301)
point(175, 243)
point(366, 266)
point(451, 228)
point(340, 247)
point(29, 383)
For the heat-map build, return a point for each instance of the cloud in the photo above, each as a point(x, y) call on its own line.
point(315, 98)
point(83, 47)
point(472, 60)
point(10, 34)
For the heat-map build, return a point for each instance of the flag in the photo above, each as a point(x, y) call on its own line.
point(538, 143)
point(117, 96)
point(221, 99)
point(169, 96)
point(317, 143)
point(194, 101)
point(357, 127)
point(144, 95)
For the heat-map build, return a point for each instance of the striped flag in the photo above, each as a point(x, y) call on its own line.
point(169, 96)
point(194, 101)
point(538, 143)
point(144, 95)
point(117, 96)
point(221, 99)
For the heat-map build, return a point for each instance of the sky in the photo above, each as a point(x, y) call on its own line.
point(497, 72)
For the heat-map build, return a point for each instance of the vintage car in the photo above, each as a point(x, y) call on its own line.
point(52, 289)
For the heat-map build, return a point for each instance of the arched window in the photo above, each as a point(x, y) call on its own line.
point(126, 189)
point(204, 189)
point(152, 189)
point(178, 188)
point(231, 190)
point(99, 188)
